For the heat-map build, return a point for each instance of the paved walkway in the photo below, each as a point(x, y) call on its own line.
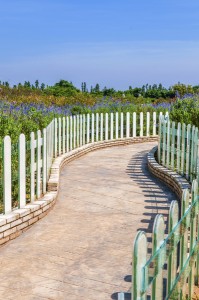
point(82, 248)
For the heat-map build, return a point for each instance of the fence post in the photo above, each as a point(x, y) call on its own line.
point(141, 124)
point(32, 166)
point(134, 124)
point(127, 124)
point(158, 238)
point(154, 123)
point(116, 125)
point(7, 181)
point(148, 124)
point(139, 261)
point(106, 126)
point(172, 260)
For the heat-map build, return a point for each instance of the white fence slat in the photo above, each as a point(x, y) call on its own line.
point(81, 130)
point(67, 133)
point(92, 128)
point(111, 129)
point(88, 129)
point(141, 124)
point(84, 130)
point(168, 145)
point(97, 127)
point(173, 145)
point(134, 124)
point(101, 127)
point(78, 132)
point(55, 138)
point(44, 169)
point(7, 182)
point(32, 166)
point(154, 123)
point(116, 125)
point(188, 151)
point(106, 126)
point(38, 164)
point(22, 170)
point(63, 135)
point(147, 124)
point(127, 124)
point(59, 136)
point(178, 146)
point(121, 125)
point(74, 132)
point(183, 149)
point(71, 133)
point(164, 144)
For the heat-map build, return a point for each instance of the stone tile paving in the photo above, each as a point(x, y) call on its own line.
point(82, 249)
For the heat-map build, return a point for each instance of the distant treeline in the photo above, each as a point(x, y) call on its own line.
point(64, 92)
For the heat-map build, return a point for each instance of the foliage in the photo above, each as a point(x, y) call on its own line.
point(186, 110)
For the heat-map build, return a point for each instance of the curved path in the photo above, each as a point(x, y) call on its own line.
point(82, 248)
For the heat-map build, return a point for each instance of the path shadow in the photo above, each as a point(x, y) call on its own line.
point(157, 198)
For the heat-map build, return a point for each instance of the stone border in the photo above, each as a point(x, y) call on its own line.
point(175, 181)
point(19, 220)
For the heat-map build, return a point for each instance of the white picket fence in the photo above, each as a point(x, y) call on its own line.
point(62, 135)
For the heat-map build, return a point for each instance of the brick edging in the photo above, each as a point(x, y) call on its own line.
point(19, 220)
point(175, 181)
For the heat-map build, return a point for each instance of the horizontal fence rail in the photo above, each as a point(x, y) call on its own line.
point(173, 268)
point(25, 166)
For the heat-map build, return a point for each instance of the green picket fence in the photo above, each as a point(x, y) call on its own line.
point(178, 148)
point(173, 268)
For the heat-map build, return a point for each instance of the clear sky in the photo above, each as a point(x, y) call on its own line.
point(115, 43)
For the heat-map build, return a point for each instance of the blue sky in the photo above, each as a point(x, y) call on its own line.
point(115, 43)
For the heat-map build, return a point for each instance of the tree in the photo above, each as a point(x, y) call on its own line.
point(37, 84)
point(42, 86)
